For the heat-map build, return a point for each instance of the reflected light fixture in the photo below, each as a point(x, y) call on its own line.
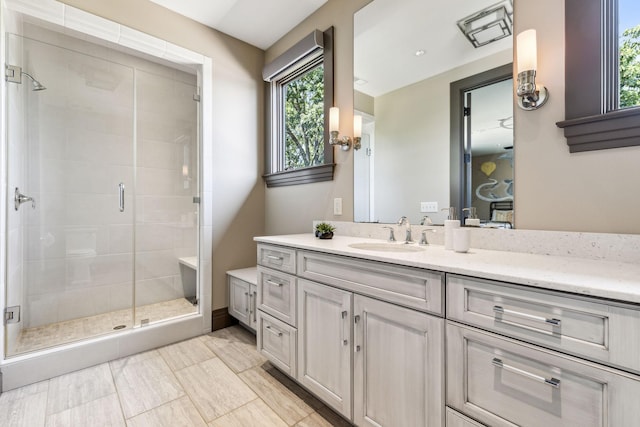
point(344, 141)
point(530, 95)
point(489, 24)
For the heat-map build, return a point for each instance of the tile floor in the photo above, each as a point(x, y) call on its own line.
point(214, 380)
point(86, 327)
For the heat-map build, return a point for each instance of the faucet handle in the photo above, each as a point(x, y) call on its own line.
point(423, 237)
point(392, 237)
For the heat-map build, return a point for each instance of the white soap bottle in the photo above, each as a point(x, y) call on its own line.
point(472, 220)
point(450, 224)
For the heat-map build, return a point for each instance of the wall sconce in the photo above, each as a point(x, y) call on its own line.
point(344, 141)
point(530, 96)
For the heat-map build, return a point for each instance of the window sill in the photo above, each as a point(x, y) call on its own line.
point(616, 129)
point(300, 176)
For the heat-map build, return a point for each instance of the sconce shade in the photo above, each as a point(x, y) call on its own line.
point(357, 126)
point(334, 119)
point(527, 51)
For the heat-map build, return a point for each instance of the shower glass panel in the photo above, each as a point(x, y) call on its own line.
point(70, 263)
point(167, 176)
point(109, 153)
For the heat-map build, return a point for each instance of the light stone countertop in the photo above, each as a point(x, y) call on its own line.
point(605, 279)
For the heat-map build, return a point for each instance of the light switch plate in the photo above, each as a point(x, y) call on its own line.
point(337, 206)
point(429, 207)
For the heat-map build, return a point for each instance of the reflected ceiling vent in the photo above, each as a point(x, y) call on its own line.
point(488, 25)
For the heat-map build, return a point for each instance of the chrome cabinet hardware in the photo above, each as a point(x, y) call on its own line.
point(345, 321)
point(553, 382)
point(20, 198)
point(121, 192)
point(276, 333)
point(271, 282)
point(500, 310)
point(275, 258)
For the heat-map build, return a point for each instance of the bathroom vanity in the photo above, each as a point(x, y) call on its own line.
point(399, 335)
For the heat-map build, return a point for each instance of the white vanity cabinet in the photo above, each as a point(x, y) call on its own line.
point(242, 295)
point(368, 344)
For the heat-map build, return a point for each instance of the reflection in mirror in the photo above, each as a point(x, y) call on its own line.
point(406, 55)
point(629, 52)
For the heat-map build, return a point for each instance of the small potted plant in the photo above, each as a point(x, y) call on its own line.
point(324, 230)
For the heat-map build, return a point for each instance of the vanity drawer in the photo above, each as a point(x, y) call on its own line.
point(595, 329)
point(277, 257)
point(277, 341)
point(277, 294)
point(411, 287)
point(501, 382)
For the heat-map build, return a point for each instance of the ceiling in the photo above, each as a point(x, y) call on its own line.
point(258, 22)
point(387, 34)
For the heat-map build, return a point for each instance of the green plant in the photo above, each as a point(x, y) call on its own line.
point(324, 228)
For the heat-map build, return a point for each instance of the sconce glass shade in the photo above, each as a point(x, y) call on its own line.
point(357, 126)
point(527, 51)
point(334, 119)
point(530, 95)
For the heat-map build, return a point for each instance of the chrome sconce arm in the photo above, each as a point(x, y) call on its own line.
point(530, 96)
point(344, 141)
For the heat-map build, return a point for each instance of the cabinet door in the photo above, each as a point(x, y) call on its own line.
point(398, 365)
point(324, 343)
point(239, 299)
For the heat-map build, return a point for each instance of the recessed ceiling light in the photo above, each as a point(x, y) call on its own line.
point(419, 52)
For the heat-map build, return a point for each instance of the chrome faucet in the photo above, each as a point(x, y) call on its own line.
point(405, 221)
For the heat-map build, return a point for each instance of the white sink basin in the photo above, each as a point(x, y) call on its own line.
point(386, 247)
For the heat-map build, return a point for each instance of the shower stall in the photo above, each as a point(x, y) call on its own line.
point(102, 188)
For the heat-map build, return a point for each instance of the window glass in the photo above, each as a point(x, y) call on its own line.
point(629, 52)
point(304, 120)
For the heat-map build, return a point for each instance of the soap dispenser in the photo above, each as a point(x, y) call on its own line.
point(472, 220)
point(450, 224)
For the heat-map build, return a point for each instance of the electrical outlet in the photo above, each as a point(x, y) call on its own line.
point(429, 207)
point(337, 206)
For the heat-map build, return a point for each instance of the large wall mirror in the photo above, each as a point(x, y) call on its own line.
point(407, 54)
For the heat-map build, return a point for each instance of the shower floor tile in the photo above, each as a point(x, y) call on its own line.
point(86, 327)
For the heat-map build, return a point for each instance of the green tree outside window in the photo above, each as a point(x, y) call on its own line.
point(630, 67)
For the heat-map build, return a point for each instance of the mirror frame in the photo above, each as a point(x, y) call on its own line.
point(592, 120)
point(457, 89)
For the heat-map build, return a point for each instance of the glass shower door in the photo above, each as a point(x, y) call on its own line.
point(70, 252)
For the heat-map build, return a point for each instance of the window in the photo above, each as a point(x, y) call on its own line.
point(300, 87)
point(601, 108)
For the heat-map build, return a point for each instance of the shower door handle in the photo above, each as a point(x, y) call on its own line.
point(121, 191)
point(20, 198)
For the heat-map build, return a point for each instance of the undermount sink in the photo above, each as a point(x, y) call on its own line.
point(386, 247)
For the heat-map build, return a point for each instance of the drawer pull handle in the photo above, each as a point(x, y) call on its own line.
point(501, 310)
point(553, 382)
point(275, 258)
point(271, 282)
point(345, 323)
point(276, 333)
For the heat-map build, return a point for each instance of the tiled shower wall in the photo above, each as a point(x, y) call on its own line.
point(83, 256)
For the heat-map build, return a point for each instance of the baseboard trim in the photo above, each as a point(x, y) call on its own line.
point(221, 318)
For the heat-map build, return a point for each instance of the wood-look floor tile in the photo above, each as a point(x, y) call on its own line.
point(328, 418)
point(102, 412)
point(253, 413)
point(144, 381)
point(77, 388)
point(288, 403)
point(214, 388)
point(236, 346)
point(186, 353)
point(180, 412)
point(25, 406)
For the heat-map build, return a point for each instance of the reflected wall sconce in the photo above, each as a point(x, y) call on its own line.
point(344, 141)
point(530, 95)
